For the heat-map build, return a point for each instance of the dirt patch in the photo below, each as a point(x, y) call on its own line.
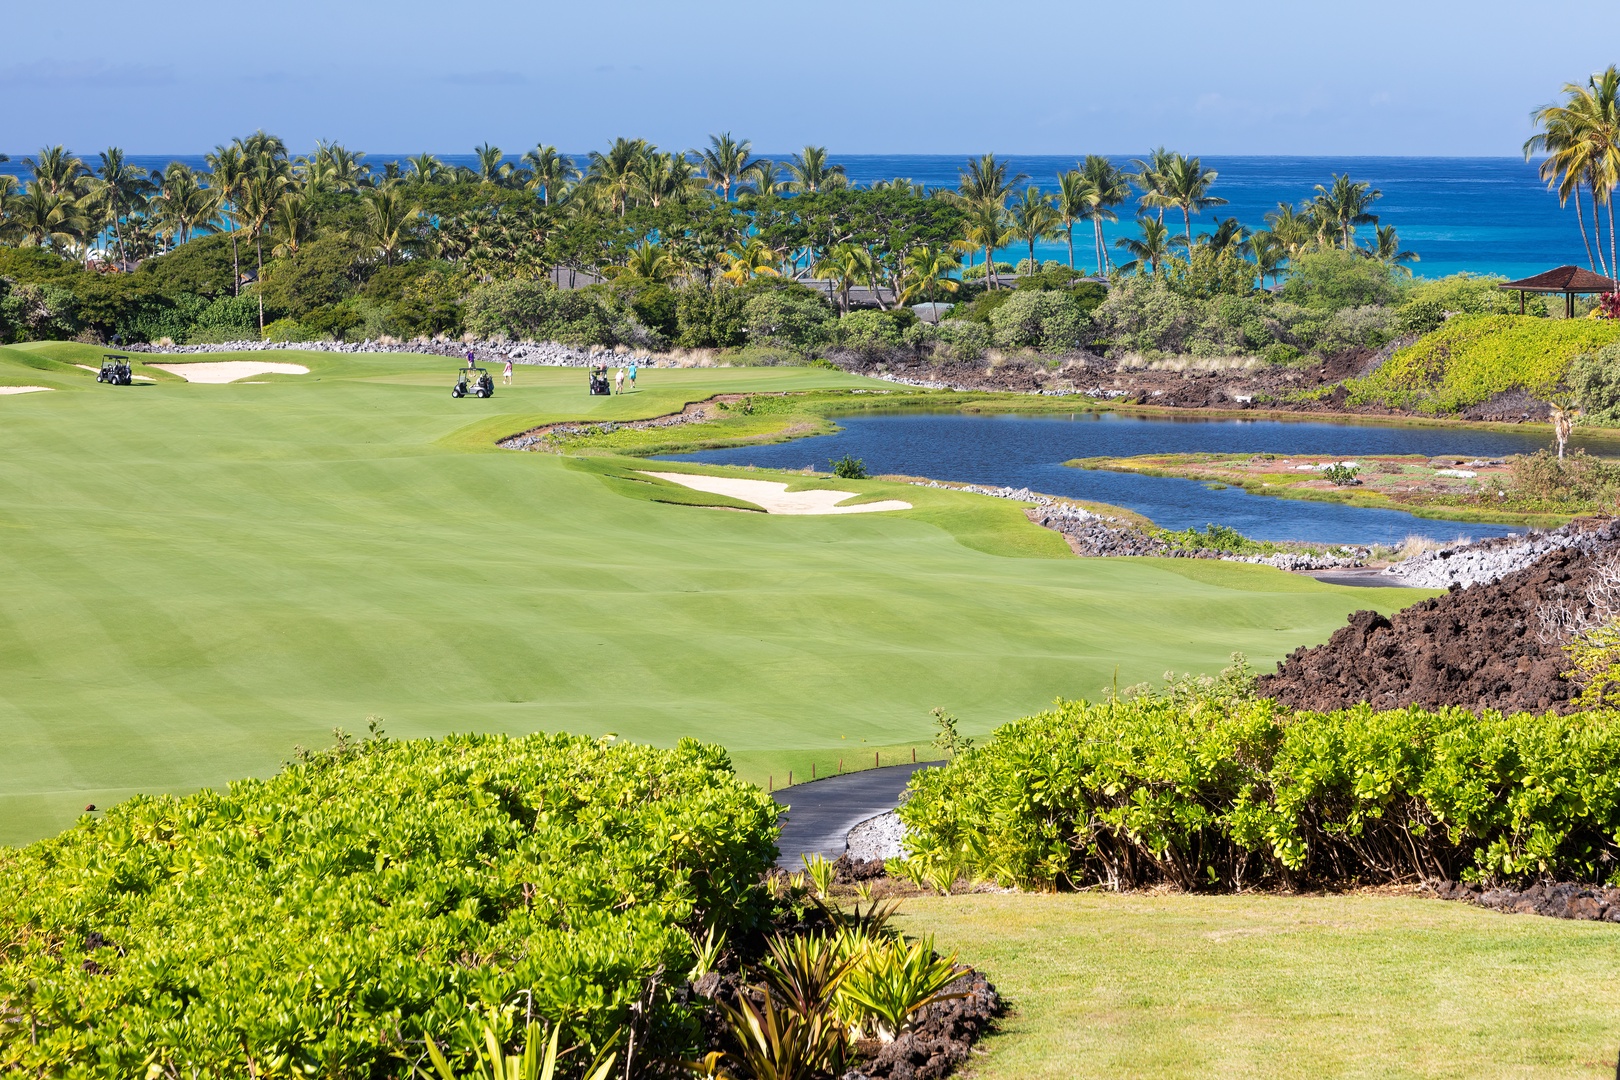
point(1477, 647)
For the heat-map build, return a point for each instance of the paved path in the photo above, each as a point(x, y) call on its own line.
point(822, 812)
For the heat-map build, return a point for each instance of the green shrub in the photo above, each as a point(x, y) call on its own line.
point(1595, 379)
point(1143, 314)
point(869, 332)
point(796, 319)
point(1472, 294)
point(1355, 328)
point(286, 330)
point(322, 921)
point(848, 468)
point(1039, 319)
point(1418, 317)
point(1279, 353)
point(536, 311)
point(226, 318)
point(1208, 790)
point(960, 339)
point(1473, 357)
point(709, 318)
point(1330, 280)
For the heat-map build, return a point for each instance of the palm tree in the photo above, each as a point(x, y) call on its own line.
point(263, 187)
point(1184, 183)
point(9, 230)
point(1153, 248)
point(844, 265)
point(549, 171)
point(1268, 254)
point(725, 161)
point(617, 173)
point(227, 166)
point(1388, 250)
point(1113, 188)
point(47, 218)
point(1563, 409)
point(1229, 233)
point(985, 182)
point(1292, 230)
point(491, 169)
point(182, 205)
point(754, 260)
point(667, 178)
point(1581, 137)
point(119, 189)
point(765, 177)
point(1075, 201)
point(811, 171)
point(293, 225)
point(647, 262)
point(927, 269)
point(1347, 203)
point(58, 171)
point(1150, 179)
point(386, 226)
point(986, 228)
point(1033, 219)
point(424, 169)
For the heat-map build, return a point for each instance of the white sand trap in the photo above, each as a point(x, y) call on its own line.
point(23, 389)
point(775, 498)
point(224, 371)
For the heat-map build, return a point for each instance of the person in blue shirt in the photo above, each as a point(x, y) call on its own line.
point(632, 374)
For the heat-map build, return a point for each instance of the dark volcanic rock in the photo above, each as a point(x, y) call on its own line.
point(1475, 647)
point(941, 1042)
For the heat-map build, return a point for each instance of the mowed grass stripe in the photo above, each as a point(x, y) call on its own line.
point(198, 577)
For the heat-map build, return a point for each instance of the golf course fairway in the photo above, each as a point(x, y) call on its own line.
point(197, 578)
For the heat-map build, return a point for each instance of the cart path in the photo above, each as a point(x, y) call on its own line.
point(822, 812)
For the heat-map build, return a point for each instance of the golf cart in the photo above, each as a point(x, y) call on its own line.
point(115, 370)
point(475, 381)
point(599, 381)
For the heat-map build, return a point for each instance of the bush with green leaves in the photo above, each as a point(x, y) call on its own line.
point(1331, 280)
point(709, 318)
point(1595, 379)
point(962, 339)
point(325, 921)
point(869, 333)
point(531, 310)
point(1043, 319)
point(1208, 788)
point(226, 318)
point(789, 319)
point(1474, 357)
point(1472, 294)
point(1144, 315)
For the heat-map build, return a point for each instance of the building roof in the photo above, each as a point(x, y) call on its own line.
point(1565, 279)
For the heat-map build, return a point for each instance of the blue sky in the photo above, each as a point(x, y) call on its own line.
point(874, 76)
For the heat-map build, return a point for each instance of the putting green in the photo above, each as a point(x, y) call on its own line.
point(199, 577)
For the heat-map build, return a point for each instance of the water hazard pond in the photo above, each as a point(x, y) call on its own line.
point(1029, 451)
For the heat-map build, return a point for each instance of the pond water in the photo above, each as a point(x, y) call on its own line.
point(1029, 451)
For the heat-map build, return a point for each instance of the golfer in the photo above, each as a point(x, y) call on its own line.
point(469, 359)
point(632, 374)
point(618, 382)
point(506, 376)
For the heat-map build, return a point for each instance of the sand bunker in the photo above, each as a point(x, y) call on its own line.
point(775, 498)
point(23, 389)
point(224, 371)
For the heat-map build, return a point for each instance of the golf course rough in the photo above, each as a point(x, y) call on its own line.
point(200, 577)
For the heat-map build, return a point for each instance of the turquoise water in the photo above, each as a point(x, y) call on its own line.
point(1485, 215)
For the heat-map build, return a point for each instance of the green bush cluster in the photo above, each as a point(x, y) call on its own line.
point(1595, 380)
point(1205, 787)
point(325, 921)
point(1474, 357)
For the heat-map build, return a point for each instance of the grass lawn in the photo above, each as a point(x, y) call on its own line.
point(1125, 987)
point(197, 578)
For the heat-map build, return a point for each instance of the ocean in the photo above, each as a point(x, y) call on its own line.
point(1482, 215)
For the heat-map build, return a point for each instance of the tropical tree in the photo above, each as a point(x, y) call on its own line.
point(1581, 138)
point(754, 260)
point(58, 172)
point(1292, 230)
point(1113, 188)
point(725, 162)
point(1346, 203)
point(1152, 249)
point(118, 190)
point(491, 168)
point(388, 218)
point(764, 177)
point(1031, 218)
point(987, 182)
point(9, 229)
point(812, 172)
point(549, 172)
point(928, 269)
point(227, 169)
point(424, 169)
point(667, 178)
point(47, 218)
point(616, 174)
point(262, 189)
point(1183, 183)
point(182, 206)
point(293, 225)
point(647, 262)
point(1268, 254)
point(1228, 235)
point(1075, 201)
point(1388, 250)
point(844, 265)
point(986, 228)
point(1149, 178)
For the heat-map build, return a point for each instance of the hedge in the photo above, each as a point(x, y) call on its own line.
point(1471, 358)
point(325, 921)
point(1205, 793)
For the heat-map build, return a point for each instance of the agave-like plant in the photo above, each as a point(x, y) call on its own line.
point(778, 1042)
point(494, 1063)
point(894, 983)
